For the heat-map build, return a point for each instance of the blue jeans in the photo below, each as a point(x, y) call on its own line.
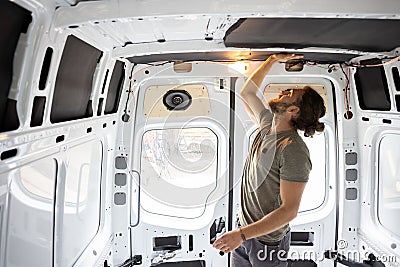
point(252, 253)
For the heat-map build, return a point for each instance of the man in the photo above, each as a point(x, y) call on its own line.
point(275, 172)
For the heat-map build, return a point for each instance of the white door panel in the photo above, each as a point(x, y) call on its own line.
point(181, 160)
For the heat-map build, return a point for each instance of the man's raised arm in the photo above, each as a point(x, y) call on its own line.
point(253, 104)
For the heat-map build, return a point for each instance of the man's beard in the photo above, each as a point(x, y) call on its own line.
point(278, 107)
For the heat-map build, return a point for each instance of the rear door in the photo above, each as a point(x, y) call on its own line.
point(182, 176)
point(180, 156)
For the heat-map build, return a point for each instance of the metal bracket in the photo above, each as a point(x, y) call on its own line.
point(135, 260)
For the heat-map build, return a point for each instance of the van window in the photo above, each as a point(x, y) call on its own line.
point(316, 189)
point(178, 169)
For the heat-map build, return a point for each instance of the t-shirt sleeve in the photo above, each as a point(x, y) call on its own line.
point(295, 163)
point(265, 118)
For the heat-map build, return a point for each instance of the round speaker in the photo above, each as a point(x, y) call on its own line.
point(177, 100)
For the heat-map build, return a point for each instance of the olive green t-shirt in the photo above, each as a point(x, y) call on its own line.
point(272, 157)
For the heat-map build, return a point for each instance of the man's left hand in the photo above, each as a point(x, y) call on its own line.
point(228, 241)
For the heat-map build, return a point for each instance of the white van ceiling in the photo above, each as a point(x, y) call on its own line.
point(150, 31)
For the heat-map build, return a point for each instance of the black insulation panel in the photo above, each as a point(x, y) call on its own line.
point(115, 88)
point(396, 78)
point(45, 68)
point(372, 88)
point(369, 35)
point(38, 107)
point(14, 20)
point(230, 56)
point(73, 85)
point(10, 120)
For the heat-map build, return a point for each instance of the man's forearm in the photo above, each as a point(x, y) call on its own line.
point(271, 222)
point(253, 83)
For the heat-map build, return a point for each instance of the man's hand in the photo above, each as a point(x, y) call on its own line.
point(253, 104)
point(284, 57)
point(228, 241)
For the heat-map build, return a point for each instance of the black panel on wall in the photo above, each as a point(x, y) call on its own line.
point(373, 35)
point(38, 111)
point(372, 88)
point(74, 80)
point(104, 82)
point(115, 88)
point(100, 106)
point(45, 68)
point(396, 78)
point(89, 109)
point(14, 20)
point(10, 120)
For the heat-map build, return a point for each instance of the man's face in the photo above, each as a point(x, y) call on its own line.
point(284, 100)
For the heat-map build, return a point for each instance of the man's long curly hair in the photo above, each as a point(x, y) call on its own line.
point(312, 108)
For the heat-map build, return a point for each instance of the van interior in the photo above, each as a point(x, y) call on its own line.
point(123, 134)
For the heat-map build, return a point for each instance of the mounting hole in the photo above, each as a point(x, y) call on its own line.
point(348, 115)
point(125, 117)
point(60, 138)
point(146, 72)
point(8, 154)
point(393, 246)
